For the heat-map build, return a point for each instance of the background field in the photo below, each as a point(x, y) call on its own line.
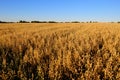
point(60, 51)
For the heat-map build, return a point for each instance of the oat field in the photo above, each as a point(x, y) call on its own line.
point(60, 51)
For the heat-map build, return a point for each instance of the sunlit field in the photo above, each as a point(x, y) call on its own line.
point(59, 51)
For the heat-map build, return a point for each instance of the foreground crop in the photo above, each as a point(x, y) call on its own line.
point(60, 51)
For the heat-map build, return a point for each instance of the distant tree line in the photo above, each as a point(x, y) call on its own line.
point(118, 21)
point(38, 21)
point(23, 21)
point(5, 22)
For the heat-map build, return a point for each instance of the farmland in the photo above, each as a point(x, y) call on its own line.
point(60, 51)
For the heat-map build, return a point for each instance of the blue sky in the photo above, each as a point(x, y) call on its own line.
point(60, 10)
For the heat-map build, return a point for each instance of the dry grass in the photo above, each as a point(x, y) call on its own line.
point(60, 51)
